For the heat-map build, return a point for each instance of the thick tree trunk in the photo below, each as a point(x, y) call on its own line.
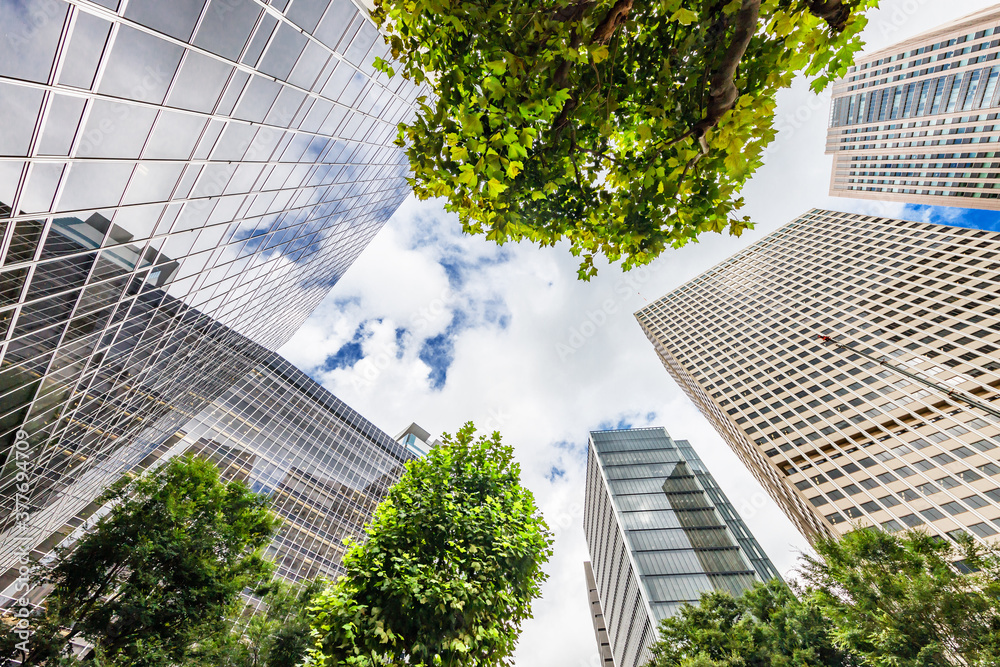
point(722, 90)
point(834, 12)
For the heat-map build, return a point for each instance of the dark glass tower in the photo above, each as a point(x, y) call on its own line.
point(181, 183)
point(660, 533)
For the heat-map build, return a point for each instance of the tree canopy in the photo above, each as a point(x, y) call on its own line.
point(909, 600)
point(767, 626)
point(451, 564)
point(276, 635)
point(161, 570)
point(870, 599)
point(623, 126)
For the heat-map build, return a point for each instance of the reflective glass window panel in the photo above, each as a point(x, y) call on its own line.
point(94, 185)
point(338, 18)
point(175, 18)
point(38, 192)
point(226, 27)
point(31, 30)
point(140, 66)
point(174, 136)
point(200, 82)
point(638, 520)
point(19, 108)
point(115, 130)
point(83, 55)
point(282, 52)
point(61, 123)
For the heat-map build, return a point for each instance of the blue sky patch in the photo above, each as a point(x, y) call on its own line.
point(439, 351)
point(349, 353)
point(555, 473)
point(623, 425)
point(953, 216)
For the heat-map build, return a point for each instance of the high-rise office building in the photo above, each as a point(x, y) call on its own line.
point(917, 122)
point(660, 533)
point(178, 182)
point(324, 466)
point(896, 427)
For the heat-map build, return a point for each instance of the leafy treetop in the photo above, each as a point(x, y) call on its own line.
point(452, 562)
point(622, 126)
point(161, 570)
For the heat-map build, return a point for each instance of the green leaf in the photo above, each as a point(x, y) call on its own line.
point(684, 16)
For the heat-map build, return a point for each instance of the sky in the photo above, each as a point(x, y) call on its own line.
point(436, 327)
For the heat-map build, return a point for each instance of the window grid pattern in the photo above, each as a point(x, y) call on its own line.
point(837, 439)
point(660, 533)
point(324, 466)
point(181, 184)
point(918, 122)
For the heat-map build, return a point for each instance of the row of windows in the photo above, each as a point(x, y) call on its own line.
point(808, 252)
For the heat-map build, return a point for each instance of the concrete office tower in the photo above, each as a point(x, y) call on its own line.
point(177, 180)
point(597, 614)
point(917, 122)
point(660, 533)
point(851, 436)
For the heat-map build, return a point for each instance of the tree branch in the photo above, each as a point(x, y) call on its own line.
point(614, 18)
point(722, 91)
point(834, 12)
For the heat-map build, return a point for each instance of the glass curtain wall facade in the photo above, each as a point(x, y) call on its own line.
point(917, 122)
point(324, 466)
point(660, 533)
point(178, 182)
point(841, 437)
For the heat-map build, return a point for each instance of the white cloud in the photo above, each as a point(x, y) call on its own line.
point(545, 358)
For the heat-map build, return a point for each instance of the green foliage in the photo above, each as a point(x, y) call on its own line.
point(278, 635)
point(159, 571)
point(624, 127)
point(871, 599)
point(897, 601)
point(768, 626)
point(452, 562)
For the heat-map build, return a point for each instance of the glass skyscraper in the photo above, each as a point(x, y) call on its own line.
point(660, 533)
point(917, 121)
point(181, 183)
point(898, 427)
point(324, 466)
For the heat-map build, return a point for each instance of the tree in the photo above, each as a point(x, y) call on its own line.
point(159, 571)
point(277, 635)
point(901, 601)
point(622, 126)
point(767, 626)
point(450, 567)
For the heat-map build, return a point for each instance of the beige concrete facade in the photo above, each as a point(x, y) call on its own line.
point(917, 122)
point(597, 614)
point(840, 439)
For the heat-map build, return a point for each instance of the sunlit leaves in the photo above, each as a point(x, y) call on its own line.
point(537, 130)
point(451, 565)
